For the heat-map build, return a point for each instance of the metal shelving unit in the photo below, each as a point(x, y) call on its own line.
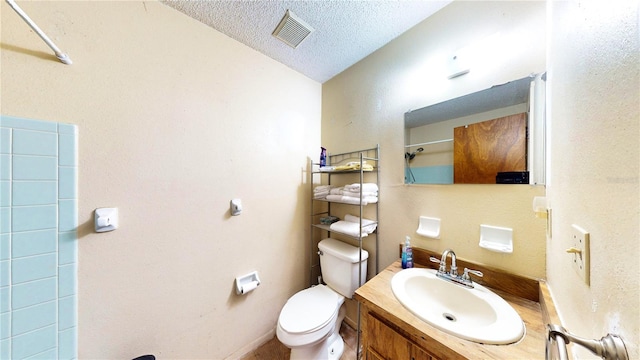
point(322, 207)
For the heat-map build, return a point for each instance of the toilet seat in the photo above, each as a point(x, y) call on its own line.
point(309, 316)
point(309, 310)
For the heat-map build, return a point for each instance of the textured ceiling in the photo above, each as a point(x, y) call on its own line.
point(496, 97)
point(346, 31)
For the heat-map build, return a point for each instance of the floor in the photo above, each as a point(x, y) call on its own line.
point(274, 350)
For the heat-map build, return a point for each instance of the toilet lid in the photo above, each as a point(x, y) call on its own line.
point(309, 309)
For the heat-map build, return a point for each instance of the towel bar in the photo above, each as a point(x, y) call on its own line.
point(610, 347)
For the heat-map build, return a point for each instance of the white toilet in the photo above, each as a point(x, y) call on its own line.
point(309, 323)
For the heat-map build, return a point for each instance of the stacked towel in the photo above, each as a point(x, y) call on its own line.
point(346, 199)
point(368, 187)
point(351, 226)
point(354, 165)
point(321, 191)
point(357, 193)
point(349, 194)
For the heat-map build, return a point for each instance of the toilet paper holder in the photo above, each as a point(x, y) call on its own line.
point(247, 283)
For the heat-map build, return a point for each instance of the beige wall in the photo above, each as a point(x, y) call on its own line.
point(594, 58)
point(594, 100)
point(365, 105)
point(158, 99)
point(175, 120)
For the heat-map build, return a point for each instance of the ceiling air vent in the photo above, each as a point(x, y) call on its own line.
point(292, 30)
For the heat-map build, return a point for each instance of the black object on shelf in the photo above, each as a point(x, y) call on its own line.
point(512, 177)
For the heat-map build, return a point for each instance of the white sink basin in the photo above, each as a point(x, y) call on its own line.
point(476, 314)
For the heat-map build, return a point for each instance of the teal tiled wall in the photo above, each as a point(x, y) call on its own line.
point(442, 174)
point(38, 239)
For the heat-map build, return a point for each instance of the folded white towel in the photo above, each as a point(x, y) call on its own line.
point(368, 226)
point(336, 191)
point(320, 195)
point(322, 188)
point(365, 187)
point(351, 226)
point(357, 193)
point(370, 199)
point(347, 199)
point(346, 227)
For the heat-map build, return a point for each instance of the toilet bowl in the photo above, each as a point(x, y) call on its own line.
point(309, 323)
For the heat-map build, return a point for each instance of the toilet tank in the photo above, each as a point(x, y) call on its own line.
point(339, 265)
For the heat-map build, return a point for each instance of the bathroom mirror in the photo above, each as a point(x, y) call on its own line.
point(493, 136)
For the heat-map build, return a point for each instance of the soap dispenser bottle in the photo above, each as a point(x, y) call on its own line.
point(323, 157)
point(407, 254)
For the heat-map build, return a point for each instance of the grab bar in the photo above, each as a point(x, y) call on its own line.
point(610, 347)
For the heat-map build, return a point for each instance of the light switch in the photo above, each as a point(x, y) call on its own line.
point(579, 251)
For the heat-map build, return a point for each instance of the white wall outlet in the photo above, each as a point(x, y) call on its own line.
point(580, 251)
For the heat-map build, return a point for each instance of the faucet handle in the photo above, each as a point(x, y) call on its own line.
point(465, 275)
point(443, 265)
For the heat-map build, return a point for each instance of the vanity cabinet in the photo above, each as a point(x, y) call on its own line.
point(384, 343)
point(390, 331)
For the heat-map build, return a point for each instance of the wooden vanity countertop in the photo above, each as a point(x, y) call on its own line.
point(376, 295)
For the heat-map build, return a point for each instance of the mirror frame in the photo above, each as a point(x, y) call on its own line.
point(529, 90)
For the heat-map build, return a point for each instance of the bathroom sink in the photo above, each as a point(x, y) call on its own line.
point(477, 314)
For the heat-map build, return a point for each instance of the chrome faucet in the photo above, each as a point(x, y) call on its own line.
point(452, 274)
point(443, 263)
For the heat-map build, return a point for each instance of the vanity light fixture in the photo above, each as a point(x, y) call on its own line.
point(292, 30)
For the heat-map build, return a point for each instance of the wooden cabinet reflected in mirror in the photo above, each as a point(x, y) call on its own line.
point(482, 150)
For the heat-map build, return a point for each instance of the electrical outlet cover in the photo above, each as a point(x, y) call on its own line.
point(580, 242)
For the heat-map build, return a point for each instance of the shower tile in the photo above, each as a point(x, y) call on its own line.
point(47, 355)
point(32, 343)
point(5, 274)
point(67, 344)
point(5, 325)
point(34, 193)
point(34, 168)
point(5, 220)
point(33, 243)
point(5, 167)
point(38, 239)
point(33, 317)
point(66, 280)
point(5, 349)
point(27, 142)
point(5, 246)
point(67, 185)
point(34, 218)
point(5, 141)
point(67, 247)
point(33, 293)
point(67, 128)
point(33, 268)
point(67, 310)
point(5, 193)
point(5, 299)
point(67, 216)
point(67, 150)
point(28, 124)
